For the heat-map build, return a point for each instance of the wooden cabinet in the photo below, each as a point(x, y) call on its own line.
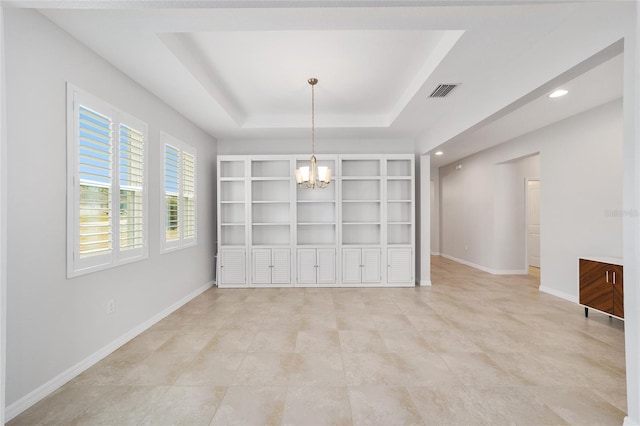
point(361, 265)
point(400, 266)
point(601, 286)
point(316, 266)
point(271, 266)
point(232, 267)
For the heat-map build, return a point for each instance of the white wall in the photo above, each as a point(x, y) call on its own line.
point(581, 199)
point(3, 220)
point(434, 189)
point(55, 323)
point(323, 146)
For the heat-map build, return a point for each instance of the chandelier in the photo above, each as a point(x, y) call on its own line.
point(313, 176)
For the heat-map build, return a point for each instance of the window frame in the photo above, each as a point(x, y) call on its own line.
point(116, 256)
point(181, 242)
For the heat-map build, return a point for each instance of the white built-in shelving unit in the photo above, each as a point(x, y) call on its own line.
point(359, 231)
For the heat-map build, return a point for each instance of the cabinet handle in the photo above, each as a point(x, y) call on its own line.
point(614, 277)
point(607, 276)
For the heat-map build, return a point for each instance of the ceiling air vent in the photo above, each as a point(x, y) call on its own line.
point(442, 90)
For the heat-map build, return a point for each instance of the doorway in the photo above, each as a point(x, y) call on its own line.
point(533, 227)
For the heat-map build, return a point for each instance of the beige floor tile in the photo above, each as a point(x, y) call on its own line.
point(580, 406)
point(354, 321)
point(384, 321)
point(122, 405)
point(317, 369)
point(231, 340)
point(274, 340)
point(423, 369)
point(109, 370)
point(361, 341)
point(317, 405)
point(383, 405)
point(64, 406)
point(479, 369)
point(372, 369)
point(251, 405)
point(265, 368)
point(185, 405)
point(428, 322)
point(320, 340)
point(211, 369)
point(187, 342)
point(451, 340)
point(473, 349)
point(158, 369)
point(404, 341)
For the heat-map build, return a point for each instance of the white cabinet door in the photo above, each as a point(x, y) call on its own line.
point(280, 266)
point(307, 266)
point(261, 266)
point(351, 266)
point(371, 266)
point(399, 265)
point(326, 261)
point(232, 266)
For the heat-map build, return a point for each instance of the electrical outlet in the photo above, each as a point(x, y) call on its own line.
point(111, 306)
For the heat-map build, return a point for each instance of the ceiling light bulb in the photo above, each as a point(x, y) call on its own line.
point(439, 153)
point(558, 93)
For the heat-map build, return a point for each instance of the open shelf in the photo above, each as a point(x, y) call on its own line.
point(232, 169)
point(270, 234)
point(399, 233)
point(360, 190)
point(316, 233)
point(361, 233)
point(232, 191)
point(357, 167)
point(361, 212)
point(270, 190)
point(232, 234)
point(270, 169)
point(399, 212)
point(271, 213)
point(399, 190)
point(399, 167)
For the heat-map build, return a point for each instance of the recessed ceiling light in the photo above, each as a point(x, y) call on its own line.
point(558, 93)
point(439, 153)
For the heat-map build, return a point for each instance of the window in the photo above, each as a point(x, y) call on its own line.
point(179, 210)
point(106, 168)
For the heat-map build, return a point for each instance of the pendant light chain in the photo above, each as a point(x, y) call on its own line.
point(313, 120)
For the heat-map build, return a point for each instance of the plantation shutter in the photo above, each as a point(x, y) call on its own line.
point(106, 185)
point(189, 194)
point(172, 192)
point(95, 174)
point(131, 174)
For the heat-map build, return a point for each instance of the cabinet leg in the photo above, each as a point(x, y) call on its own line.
point(586, 312)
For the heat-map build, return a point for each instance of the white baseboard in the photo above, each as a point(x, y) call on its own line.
point(49, 387)
point(435, 253)
point(629, 422)
point(485, 269)
point(560, 294)
point(426, 283)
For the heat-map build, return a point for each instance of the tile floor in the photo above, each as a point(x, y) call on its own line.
point(472, 349)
